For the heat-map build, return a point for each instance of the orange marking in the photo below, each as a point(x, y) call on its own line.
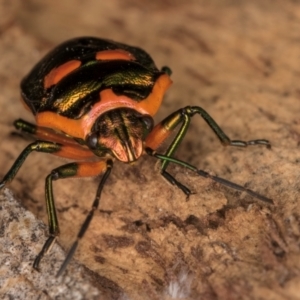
point(47, 134)
point(89, 169)
point(82, 127)
point(157, 136)
point(59, 123)
point(56, 74)
point(154, 100)
point(71, 149)
point(114, 54)
point(75, 152)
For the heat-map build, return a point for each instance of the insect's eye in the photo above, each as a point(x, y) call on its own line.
point(148, 125)
point(92, 140)
point(148, 121)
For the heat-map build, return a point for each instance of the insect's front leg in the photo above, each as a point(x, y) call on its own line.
point(104, 167)
point(202, 173)
point(183, 116)
point(71, 170)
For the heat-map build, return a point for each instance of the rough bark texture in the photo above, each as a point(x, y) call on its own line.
point(237, 59)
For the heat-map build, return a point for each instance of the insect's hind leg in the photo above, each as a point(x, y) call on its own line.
point(207, 175)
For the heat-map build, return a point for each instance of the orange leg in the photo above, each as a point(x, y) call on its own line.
point(183, 117)
point(75, 152)
point(65, 147)
point(76, 169)
point(71, 149)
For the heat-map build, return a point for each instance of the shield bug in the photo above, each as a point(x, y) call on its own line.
point(94, 102)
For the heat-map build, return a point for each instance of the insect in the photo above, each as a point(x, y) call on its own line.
point(94, 102)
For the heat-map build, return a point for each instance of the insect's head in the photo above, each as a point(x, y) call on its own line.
point(121, 133)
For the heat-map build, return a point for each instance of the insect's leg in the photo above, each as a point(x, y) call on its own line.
point(71, 148)
point(81, 169)
point(183, 116)
point(102, 167)
point(225, 140)
point(161, 132)
point(68, 170)
point(38, 146)
point(25, 126)
point(207, 175)
point(42, 133)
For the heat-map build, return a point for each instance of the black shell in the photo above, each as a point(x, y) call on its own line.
point(133, 78)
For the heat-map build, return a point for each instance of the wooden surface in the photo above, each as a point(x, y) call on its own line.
point(240, 61)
